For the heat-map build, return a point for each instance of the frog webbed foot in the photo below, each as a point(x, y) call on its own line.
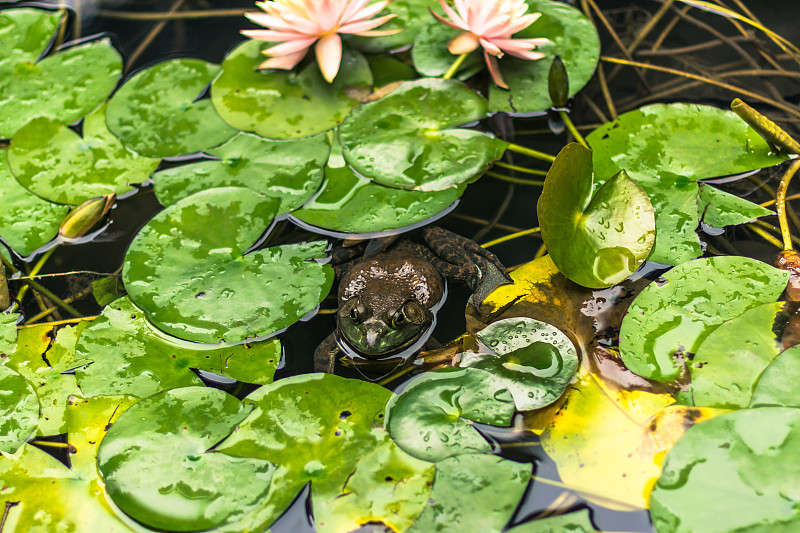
point(325, 354)
point(464, 260)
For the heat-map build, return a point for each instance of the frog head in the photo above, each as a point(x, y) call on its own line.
point(378, 328)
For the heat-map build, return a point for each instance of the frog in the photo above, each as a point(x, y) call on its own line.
point(391, 289)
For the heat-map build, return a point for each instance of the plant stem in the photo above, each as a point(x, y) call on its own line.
point(61, 322)
point(572, 129)
point(55, 299)
point(530, 152)
point(38, 267)
point(5, 298)
point(770, 131)
point(50, 310)
point(521, 169)
point(455, 66)
point(764, 235)
point(781, 203)
point(198, 14)
point(511, 237)
point(502, 177)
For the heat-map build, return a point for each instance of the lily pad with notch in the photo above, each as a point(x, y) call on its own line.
point(64, 86)
point(349, 203)
point(431, 57)
point(158, 112)
point(432, 417)
point(286, 105)
point(572, 36)
point(670, 319)
point(473, 492)
point(410, 138)
point(595, 238)
point(57, 164)
point(288, 170)
point(19, 410)
point(189, 271)
point(737, 472)
point(666, 148)
point(130, 356)
point(158, 468)
point(533, 360)
point(327, 430)
point(730, 360)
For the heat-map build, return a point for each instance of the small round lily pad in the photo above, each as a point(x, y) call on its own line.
point(432, 418)
point(534, 360)
point(59, 165)
point(595, 238)
point(349, 203)
point(674, 315)
point(278, 104)
point(288, 170)
point(19, 410)
point(410, 139)
point(129, 356)
point(157, 112)
point(157, 467)
point(735, 472)
point(188, 270)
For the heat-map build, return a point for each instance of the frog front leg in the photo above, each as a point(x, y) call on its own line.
point(462, 259)
point(325, 354)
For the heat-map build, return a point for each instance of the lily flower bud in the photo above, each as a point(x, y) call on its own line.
point(83, 218)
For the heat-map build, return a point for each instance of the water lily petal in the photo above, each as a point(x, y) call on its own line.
point(464, 43)
point(364, 25)
point(285, 62)
point(289, 47)
point(494, 70)
point(491, 48)
point(329, 55)
point(273, 36)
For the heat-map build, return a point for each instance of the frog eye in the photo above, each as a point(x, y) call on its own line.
point(398, 320)
point(354, 314)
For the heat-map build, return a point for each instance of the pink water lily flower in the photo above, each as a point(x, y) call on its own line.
point(298, 24)
point(490, 24)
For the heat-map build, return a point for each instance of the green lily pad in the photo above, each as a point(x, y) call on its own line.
point(672, 317)
point(42, 356)
point(64, 86)
point(277, 104)
point(8, 332)
point(572, 36)
point(28, 222)
point(735, 472)
point(432, 418)
point(157, 113)
point(719, 208)
point(387, 69)
point(19, 410)
point(188, 271)
point(349, 203)
point(129, 356)
point(667, 147)
point(596, 240)
point(288, 170)
point(25, 34)
point(730, 360)
point(328, 430)
point(431, 57)
point(473, 492)
point(777, 386)
point(57, 164)
point(157, 468)
point(411, 16)
point(533, 360)
point(409, 139)
point(577, 522)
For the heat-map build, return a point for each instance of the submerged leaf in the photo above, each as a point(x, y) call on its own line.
point(671, 317)
point(596, 238)
point(187, 269)
point(158, 112)
point(432, 418)
point(278, 104)
point(473, 492)
point(737, 472)
point(157, 468)
point(130, 356)
point(410, 138)
point(57, 164)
